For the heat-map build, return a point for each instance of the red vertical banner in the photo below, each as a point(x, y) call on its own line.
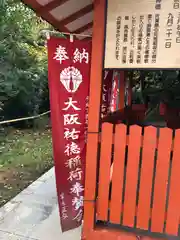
point(115, 89)
point(121, 91)
point(106, 92)
point(69, 76)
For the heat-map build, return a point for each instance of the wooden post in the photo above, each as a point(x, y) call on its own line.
point(94, 115)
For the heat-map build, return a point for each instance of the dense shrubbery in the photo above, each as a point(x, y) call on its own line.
point(23, 62)
point(159, 86)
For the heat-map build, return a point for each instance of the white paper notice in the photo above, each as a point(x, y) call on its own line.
point(143, 34)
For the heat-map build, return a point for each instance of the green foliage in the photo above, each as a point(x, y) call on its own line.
point(159, 86)
point(23, 62)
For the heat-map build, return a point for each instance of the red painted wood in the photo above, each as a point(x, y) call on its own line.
point(173, 213)
point(104, 171)
point(161, 180)
point(132, 176)
point(118, 174)
point(149, 145)
point(94, 114)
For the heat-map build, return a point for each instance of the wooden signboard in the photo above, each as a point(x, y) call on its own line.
point(143, 34)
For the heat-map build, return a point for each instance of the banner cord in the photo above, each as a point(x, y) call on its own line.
point(48, 32)
point(25, 118)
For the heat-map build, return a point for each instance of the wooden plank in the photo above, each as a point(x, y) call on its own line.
point(76, 15)
point(101, 233)
point(50, 6)
point(90, 182)
point(161, 180)
point(46, 15)
point(84, 28)
point(94, 112)
point(118, 174)
point(132, 176)
point(104, 171)
point(149, 145)
point(173, 212)
point(96, 65)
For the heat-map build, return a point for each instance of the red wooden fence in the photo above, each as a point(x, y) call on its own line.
point(145, 180)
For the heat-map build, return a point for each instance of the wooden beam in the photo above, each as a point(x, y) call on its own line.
point(94, 115)
point(77, 15)
point(87, 39)
point(34, 5)
point(84, 28)
point(50, 6)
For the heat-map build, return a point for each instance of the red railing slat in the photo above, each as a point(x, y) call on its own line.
point(173, 212)
point(129, 210)
point(104, 171)
point(149, 145)
point(118, 174)
point(161, 180)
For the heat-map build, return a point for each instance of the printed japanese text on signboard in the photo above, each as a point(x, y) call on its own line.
point(143, 34)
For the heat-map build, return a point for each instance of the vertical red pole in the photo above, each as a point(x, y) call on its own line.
point(94, 115)
point(122, 90)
